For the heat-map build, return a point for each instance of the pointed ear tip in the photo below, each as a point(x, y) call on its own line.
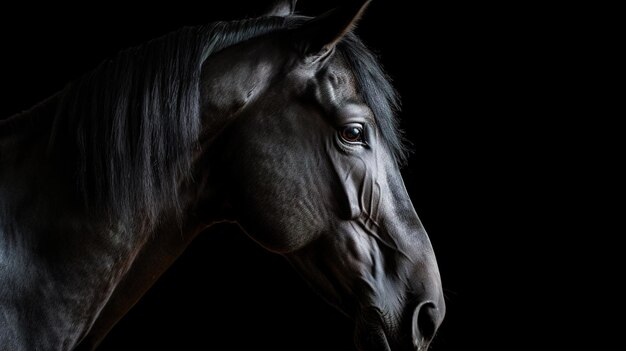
point(326, 30)
point(363, 3)
point(360, 6)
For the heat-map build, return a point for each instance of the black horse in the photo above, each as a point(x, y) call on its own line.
point(282, 124)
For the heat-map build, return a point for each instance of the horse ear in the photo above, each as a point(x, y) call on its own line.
point(281, 8)
point(319, 36)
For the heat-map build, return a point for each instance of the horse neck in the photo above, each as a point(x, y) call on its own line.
point(94, 268)
point(166, 242)
point(93, 272)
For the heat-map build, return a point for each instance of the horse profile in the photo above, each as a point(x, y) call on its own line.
point(283, 124)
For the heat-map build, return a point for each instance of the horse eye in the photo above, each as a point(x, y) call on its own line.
point(352, 134)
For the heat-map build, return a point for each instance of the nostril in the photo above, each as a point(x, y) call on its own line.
point(425, 322)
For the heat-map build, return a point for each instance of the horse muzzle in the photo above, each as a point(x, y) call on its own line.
point(374, 332)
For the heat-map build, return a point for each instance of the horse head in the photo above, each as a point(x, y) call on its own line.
point(310, 163)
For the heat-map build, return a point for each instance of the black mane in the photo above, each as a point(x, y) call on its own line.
point(131, 125)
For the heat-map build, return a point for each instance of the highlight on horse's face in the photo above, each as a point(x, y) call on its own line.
point(313, 178)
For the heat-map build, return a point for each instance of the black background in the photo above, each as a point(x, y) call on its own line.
point(463, 72)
